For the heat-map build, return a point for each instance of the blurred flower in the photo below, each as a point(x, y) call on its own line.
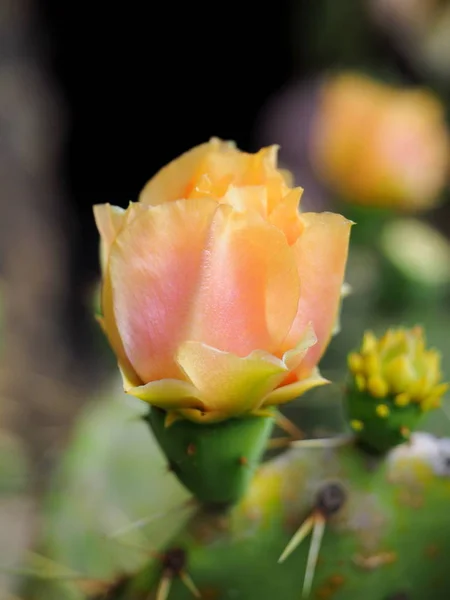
point(218, 297)
point(394, 380)
point(379, 145)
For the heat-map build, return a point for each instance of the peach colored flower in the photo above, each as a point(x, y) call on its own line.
point(218, 297)
point(380, 145)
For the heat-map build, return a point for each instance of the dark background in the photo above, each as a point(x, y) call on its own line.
point(142, 82)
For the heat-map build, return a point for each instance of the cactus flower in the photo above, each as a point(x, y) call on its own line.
point(394, 380)
point(218, 296)
point(378, 145)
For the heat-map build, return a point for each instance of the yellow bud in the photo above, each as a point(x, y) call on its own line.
point(402, 399)
point(440, 390)
point(399, 373)
point(369, 343)
point(382, 411)
point(432, 362)
point(433, 400)
point(386, 341)
point(397, 378)
point(430, 403)
point(355, 363)
point(400, 343)
point(372, 364)
point(419, 343)
point(418, 389)
point(357, 425)
point(360, 382)
point(377, 387)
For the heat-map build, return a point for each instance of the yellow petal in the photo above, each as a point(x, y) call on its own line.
point(230, 385)
point(172, 181)
point(370, 343)
point(399, 373)
point(262, 170)
point(288, 177)
point(355, 363)
point(172, 417)
point(251, 197)
point(433, 400)
point(285, 216)
point(377, 387)
point(432, 362)
point(290, 391)
point(169, 394)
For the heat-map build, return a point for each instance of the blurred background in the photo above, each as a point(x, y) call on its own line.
point(93, 101)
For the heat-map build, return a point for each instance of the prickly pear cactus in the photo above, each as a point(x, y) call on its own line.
point(337, 518)
point(368, 527)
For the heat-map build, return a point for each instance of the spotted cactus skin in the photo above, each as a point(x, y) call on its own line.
point(388, 540)
point(215, 462)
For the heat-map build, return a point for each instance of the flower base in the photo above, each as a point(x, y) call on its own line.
point(216, 461)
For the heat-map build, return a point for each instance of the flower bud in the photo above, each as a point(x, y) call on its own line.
point(219, 297)
point(394, 380)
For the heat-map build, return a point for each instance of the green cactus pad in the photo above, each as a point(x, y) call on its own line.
point(217, 461)
point(388, 539)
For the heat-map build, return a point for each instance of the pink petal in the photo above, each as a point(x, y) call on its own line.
point(155, 265)
point(321, 254)
point(108, 324)
point(249, 290)
point(110, 220)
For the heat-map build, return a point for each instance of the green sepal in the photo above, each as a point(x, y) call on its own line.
point(216, 462)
